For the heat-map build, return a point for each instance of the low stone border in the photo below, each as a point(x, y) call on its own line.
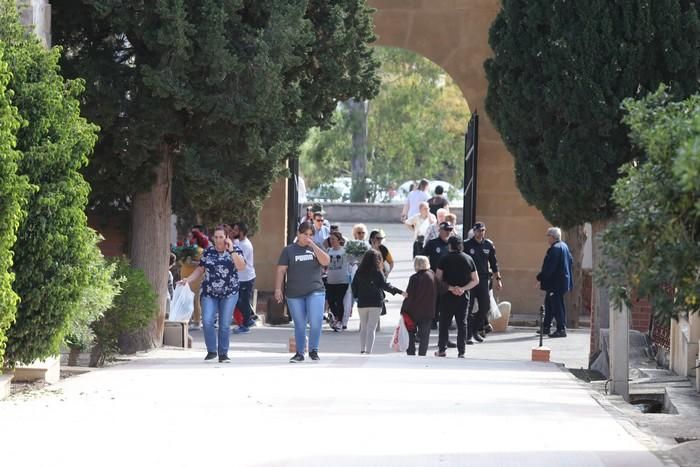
point(5, 382)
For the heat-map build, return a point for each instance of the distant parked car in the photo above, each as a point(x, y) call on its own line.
point(338, 191)
point(454, 194)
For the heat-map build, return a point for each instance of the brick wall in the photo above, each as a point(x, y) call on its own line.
point(586, 305)
point(115, 230)
point(640, 315)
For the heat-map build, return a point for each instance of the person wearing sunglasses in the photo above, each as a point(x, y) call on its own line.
point(321, 230)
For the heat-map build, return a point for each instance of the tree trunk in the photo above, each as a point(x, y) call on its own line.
point(359, 112)
point(600, 313)
point(576, 239)
point(150, 245)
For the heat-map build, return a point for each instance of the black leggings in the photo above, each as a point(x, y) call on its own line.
point(479, 296)
point(335, 293)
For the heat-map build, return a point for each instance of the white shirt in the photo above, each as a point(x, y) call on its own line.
point(248, 274)
point(301, 190)
point(420, 225)
point(414, 199)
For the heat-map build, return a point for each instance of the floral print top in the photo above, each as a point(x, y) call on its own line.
point(220, 274)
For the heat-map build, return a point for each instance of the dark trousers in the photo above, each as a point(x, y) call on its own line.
point(554, 309)
point(418, 245)
point(335, 293)
point(423, 333)
point(245, 300)
point(479, 295)
point(452, 306)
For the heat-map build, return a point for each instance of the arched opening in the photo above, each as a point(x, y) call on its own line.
point(413, 129)
point(454, 35)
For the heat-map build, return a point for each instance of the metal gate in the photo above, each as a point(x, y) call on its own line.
point(471, 152)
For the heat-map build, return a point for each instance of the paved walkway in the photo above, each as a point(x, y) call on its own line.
point(496, 408)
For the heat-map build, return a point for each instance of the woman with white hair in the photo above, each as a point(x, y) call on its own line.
point(419, 225)
point(419, 305)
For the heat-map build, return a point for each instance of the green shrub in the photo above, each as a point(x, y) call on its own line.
point(13, 191)
point(133, 309)
point(96, 298)
point(51, 261)
point(654, 247)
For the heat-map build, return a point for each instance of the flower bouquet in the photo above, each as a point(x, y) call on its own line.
point(355, 249)
point(186, 253)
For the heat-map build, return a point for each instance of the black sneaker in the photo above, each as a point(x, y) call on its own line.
point(470, 341)
point(451, 345)
point(488, 329)
point(460, 355)
point(313, 355)
point(477, 337)
point(224, 359)
point(296, 358)
point(210, 356)
point(546, 331)
point(560, 333)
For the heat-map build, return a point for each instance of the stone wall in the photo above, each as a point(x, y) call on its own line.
point(365, 212)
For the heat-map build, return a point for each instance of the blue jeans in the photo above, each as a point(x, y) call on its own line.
point(223, 307)
point(307, 308)
point(245, 297)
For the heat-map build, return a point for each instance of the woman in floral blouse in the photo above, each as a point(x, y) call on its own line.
point(220, 264)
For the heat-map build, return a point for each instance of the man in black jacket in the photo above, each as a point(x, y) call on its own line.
point(483, 252)
point(458, 273)
point(435, 250)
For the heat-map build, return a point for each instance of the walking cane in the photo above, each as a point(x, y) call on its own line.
point(541, 353)
point(541, 324)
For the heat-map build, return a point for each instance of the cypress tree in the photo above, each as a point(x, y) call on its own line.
point(559, 74)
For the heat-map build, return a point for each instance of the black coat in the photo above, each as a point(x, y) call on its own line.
point(368, 288)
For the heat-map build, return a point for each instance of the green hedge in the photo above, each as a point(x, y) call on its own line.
point(134, 308)
point(51, 258)
point(96, 298)
point(13, 190)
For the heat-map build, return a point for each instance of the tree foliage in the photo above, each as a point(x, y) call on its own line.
point(50, 258)
point(231, 87)
point(96, 297)
point(556, 82)
point(134, 307)
point(655, 245)
point(13, 192)
point(416, 127)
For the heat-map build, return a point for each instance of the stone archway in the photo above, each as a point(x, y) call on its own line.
point(454, 35)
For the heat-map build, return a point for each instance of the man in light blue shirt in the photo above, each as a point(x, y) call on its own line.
point(321, 230)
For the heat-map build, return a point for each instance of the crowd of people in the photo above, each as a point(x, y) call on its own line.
point(322, 275)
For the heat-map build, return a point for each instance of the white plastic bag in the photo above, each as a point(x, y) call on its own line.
point(494, 311)
point(399, 341)
point(182, 306)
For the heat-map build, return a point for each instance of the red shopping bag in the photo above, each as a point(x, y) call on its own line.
point(410, 324)
point(238, 317)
